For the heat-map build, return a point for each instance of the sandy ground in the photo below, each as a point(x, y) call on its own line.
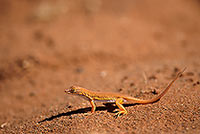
point(132, 47)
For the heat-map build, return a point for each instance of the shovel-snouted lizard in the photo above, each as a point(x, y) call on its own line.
point(118, 99)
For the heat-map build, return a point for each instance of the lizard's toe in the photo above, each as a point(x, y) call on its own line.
point(120, 113)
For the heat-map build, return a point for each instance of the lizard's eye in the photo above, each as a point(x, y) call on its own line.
point(69, 91)
point(73, 90)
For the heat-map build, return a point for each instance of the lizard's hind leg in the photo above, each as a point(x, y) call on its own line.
point(119, 103)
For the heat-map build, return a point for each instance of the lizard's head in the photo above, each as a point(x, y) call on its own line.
point(74, 90)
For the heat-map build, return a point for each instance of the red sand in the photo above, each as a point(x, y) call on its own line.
point(129, 47)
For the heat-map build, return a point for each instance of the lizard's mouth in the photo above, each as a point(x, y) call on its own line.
point(67, 91)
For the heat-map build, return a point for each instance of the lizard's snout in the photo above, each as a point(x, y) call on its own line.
point(67, 91)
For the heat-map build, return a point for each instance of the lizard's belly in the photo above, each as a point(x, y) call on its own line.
point(108, 101)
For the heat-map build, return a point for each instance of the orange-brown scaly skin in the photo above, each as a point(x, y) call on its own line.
point(119, 99)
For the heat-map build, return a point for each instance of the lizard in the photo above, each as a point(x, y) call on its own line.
point(116, 98)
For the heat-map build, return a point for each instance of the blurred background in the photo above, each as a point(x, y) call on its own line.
point(47, 46)
point(96, 30)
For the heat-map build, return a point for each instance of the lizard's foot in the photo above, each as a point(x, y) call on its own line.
point(120, 113)
point(86, 114)
point(90, 113)
point(116, 110)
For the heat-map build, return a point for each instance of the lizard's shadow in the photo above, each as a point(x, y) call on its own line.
point(108, 106)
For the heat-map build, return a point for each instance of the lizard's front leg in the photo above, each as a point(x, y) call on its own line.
point(93, 106)
point(119, 102)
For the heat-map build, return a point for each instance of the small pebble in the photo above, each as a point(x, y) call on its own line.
point(194, 84)
point(79, 70)
point(190, 80)
point(152, 77)
point(3, 125)
point(190, 73)
point(103, 73)
point(197, 83)
point(193, 127)
point(120, 89)
point(176, 69)
point(124, 79)
point(31, 94)
point(50, 42)
point(132, 84)
point(38, 35)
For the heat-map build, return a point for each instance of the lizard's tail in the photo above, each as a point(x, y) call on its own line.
point(135, 100)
